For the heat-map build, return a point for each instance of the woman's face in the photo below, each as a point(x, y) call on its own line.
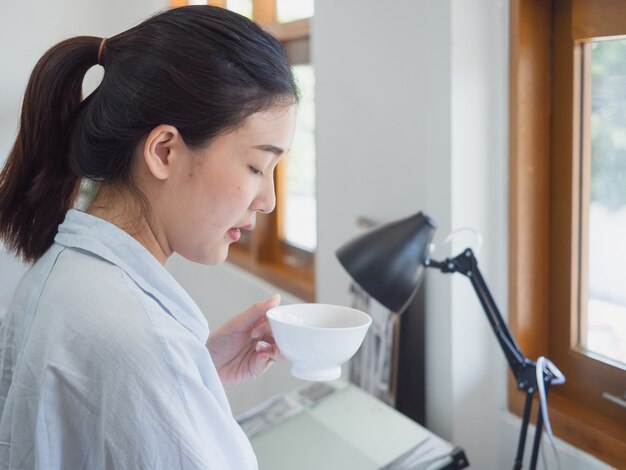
point(215, 192)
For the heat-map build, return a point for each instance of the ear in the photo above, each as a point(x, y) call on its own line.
point(161, 148)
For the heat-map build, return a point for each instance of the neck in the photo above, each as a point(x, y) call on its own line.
point(123, 210)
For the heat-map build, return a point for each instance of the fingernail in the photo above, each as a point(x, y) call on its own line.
point(262, 346)
point(257, 334)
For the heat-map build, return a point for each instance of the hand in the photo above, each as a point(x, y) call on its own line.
point(244, 348)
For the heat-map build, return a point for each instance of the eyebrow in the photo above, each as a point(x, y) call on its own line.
point(277, 151)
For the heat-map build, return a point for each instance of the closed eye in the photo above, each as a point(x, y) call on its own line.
point(255, 171)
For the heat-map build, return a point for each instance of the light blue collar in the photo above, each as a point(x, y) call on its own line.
point(94, 235)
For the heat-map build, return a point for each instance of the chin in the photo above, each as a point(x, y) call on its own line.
point(207, 257)
point(213, 259)
point(218, 256)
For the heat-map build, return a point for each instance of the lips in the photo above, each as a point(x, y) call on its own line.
point(235, 232)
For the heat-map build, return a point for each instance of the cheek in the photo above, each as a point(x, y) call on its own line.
point(222, 205)
point(234, 205)
point(235, 194)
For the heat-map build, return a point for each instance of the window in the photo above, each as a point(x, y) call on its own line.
point(602, 304)
point(567, 192)
point(282, 247)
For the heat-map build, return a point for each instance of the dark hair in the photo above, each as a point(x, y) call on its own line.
point(201, 69)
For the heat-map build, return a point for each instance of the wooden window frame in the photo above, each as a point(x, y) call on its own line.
point(544, 285)
point(263, 252)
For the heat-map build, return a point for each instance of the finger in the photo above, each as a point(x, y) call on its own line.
point(263, 346)
point(262, 328)
point(256, 313)
point(265, 305)
point(261, 362)
point(262, 331)
point(271, 349)
point(277, 355)
point(275, 300)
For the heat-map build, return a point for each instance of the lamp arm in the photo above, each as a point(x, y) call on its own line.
point(465, 263)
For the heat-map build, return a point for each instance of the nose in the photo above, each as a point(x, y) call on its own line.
point(265, 200)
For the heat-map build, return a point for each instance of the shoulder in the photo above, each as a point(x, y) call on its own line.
point(99, 304)
point(81, 272)
point(92, 311)
point(87, 302)
point(81, 286)
point(67, 286)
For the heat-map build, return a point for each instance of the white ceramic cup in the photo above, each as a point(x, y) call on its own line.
point(318, 338)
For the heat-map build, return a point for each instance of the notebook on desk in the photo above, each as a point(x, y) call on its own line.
point(338, 426)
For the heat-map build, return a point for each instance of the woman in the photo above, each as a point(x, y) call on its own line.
point(105, 358)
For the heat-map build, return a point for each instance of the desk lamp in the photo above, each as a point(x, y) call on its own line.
point(388, 263)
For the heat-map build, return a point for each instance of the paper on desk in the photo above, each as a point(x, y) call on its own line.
point(354, 429)
point(427, 455)
point(365, 423)
point(280, 407)
point(268, 414)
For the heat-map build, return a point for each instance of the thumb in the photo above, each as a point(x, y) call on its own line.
point(273, 301)
point(260, 308)
point(256, 313)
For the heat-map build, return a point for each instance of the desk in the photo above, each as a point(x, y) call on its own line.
point(338, 426)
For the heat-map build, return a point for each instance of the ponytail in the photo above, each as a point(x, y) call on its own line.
point(37, 184)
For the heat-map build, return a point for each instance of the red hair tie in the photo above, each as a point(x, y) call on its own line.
point(100, 50)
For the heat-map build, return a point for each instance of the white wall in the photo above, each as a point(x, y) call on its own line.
point(383, 141)
point(478, 183)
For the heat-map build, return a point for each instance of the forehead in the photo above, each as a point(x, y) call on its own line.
point(270, 123)
point(265, 130)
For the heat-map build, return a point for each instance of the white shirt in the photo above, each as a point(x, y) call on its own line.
point(104, 364)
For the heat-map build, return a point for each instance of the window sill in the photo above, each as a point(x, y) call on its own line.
point(295, 280)
point(585, 429)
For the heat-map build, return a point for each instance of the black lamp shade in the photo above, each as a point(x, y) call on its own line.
point(388, 261)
